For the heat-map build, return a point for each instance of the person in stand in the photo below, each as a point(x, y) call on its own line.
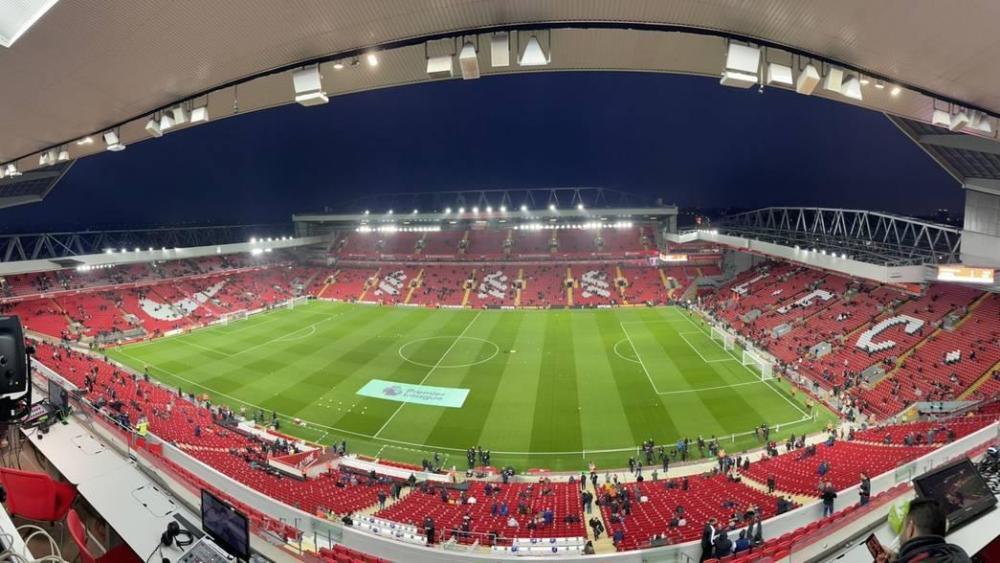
point(922, 536)
point(597, 527)
point(707, 540)
point(723, 546)
point(865, 489)
point(828, 496)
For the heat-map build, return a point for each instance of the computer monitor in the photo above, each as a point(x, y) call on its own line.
point(959, 489)
point(57, 396)
point(227, 527)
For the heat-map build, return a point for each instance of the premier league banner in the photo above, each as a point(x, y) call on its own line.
point(419, 394)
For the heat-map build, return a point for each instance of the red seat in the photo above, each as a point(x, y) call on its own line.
point(119, 554)
point(36, 496)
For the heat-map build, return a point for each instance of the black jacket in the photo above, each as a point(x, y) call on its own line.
point(931, 549)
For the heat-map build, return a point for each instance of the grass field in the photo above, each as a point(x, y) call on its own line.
point(553, 389)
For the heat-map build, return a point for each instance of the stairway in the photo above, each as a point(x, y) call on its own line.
point(468, 288)
point(521, 284)
point(419, 281)
point(367, 285)
point(619, 275)
point(569, 287)
point(329, 281)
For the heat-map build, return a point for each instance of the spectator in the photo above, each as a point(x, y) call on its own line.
point(742, 543)
point(707, 540)
point(922, 536)
point(865, 490)
point(828, 496)
point(723, 545)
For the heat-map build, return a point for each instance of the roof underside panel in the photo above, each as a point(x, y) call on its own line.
point(964, 157)
point(31, 186)
point(120, 59)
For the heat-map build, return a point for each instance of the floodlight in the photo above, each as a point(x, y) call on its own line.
point(308, 84)
point(779, 74)
point(895, 91)
point(366, 212)
point(85, 141)
point(180, 114)
point(63, 155)
point(552, 207)
point(941, 118)
point(503, 209)
point(112, 142)
point(12, 171)
point(389, 212)
point(807, 81)
point(851, 88)
point(475, 209)
point(153, 127)
point(742, 64)
point(879, 84)
point(489, 209)
point(959, 120)
point(447, 210)
point(981, 123)
point(833, 80)
point(461, 210)
point(415, 212)
point(533, 54)
point(440, 67)
point(500, 49)
point(579, 207)
point(338, 66)
point(166, 122)
point(372, 59)
point(524, 207)
point(468, 61)
point(199, 114)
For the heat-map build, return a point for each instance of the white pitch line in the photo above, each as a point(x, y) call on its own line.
point(639, 357)
point(430, 371)
point(748, 370)
point(696, 351)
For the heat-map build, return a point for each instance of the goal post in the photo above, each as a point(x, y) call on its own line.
point(295, 302)
point(725, 339)
point(759, 364)
point(234, 316)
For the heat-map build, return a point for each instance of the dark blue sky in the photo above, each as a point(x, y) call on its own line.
point(685, 139)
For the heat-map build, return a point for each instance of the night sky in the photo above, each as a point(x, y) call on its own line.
point(685, 139)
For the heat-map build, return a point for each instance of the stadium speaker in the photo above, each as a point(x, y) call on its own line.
point(779, 74)
point(941, 118)
point(807, 81)
point(15, 388)
point(833, 80)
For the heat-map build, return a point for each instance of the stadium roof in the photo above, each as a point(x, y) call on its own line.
point(85, 67)
point(973, 161)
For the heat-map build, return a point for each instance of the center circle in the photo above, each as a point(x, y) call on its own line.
point(456, 343)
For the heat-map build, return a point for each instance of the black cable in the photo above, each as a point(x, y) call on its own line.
point(158, 546)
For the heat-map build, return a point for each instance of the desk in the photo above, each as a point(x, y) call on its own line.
point(78, 454)
point(14, 542)
point(133, 505)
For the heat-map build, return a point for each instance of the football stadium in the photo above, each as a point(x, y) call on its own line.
point(362, 282)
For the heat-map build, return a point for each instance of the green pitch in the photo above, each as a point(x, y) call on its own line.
point(555, 389)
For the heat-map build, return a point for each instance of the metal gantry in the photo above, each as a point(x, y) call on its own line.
point(868, 236)
point(50, 246)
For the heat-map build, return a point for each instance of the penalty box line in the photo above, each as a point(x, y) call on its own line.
point(681, 391)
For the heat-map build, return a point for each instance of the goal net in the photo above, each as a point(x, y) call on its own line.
point(759, 364)
point(725, 339)
point(234, 316)
point(295, 302)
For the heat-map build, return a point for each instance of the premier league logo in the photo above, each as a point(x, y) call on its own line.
point(392, 391)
